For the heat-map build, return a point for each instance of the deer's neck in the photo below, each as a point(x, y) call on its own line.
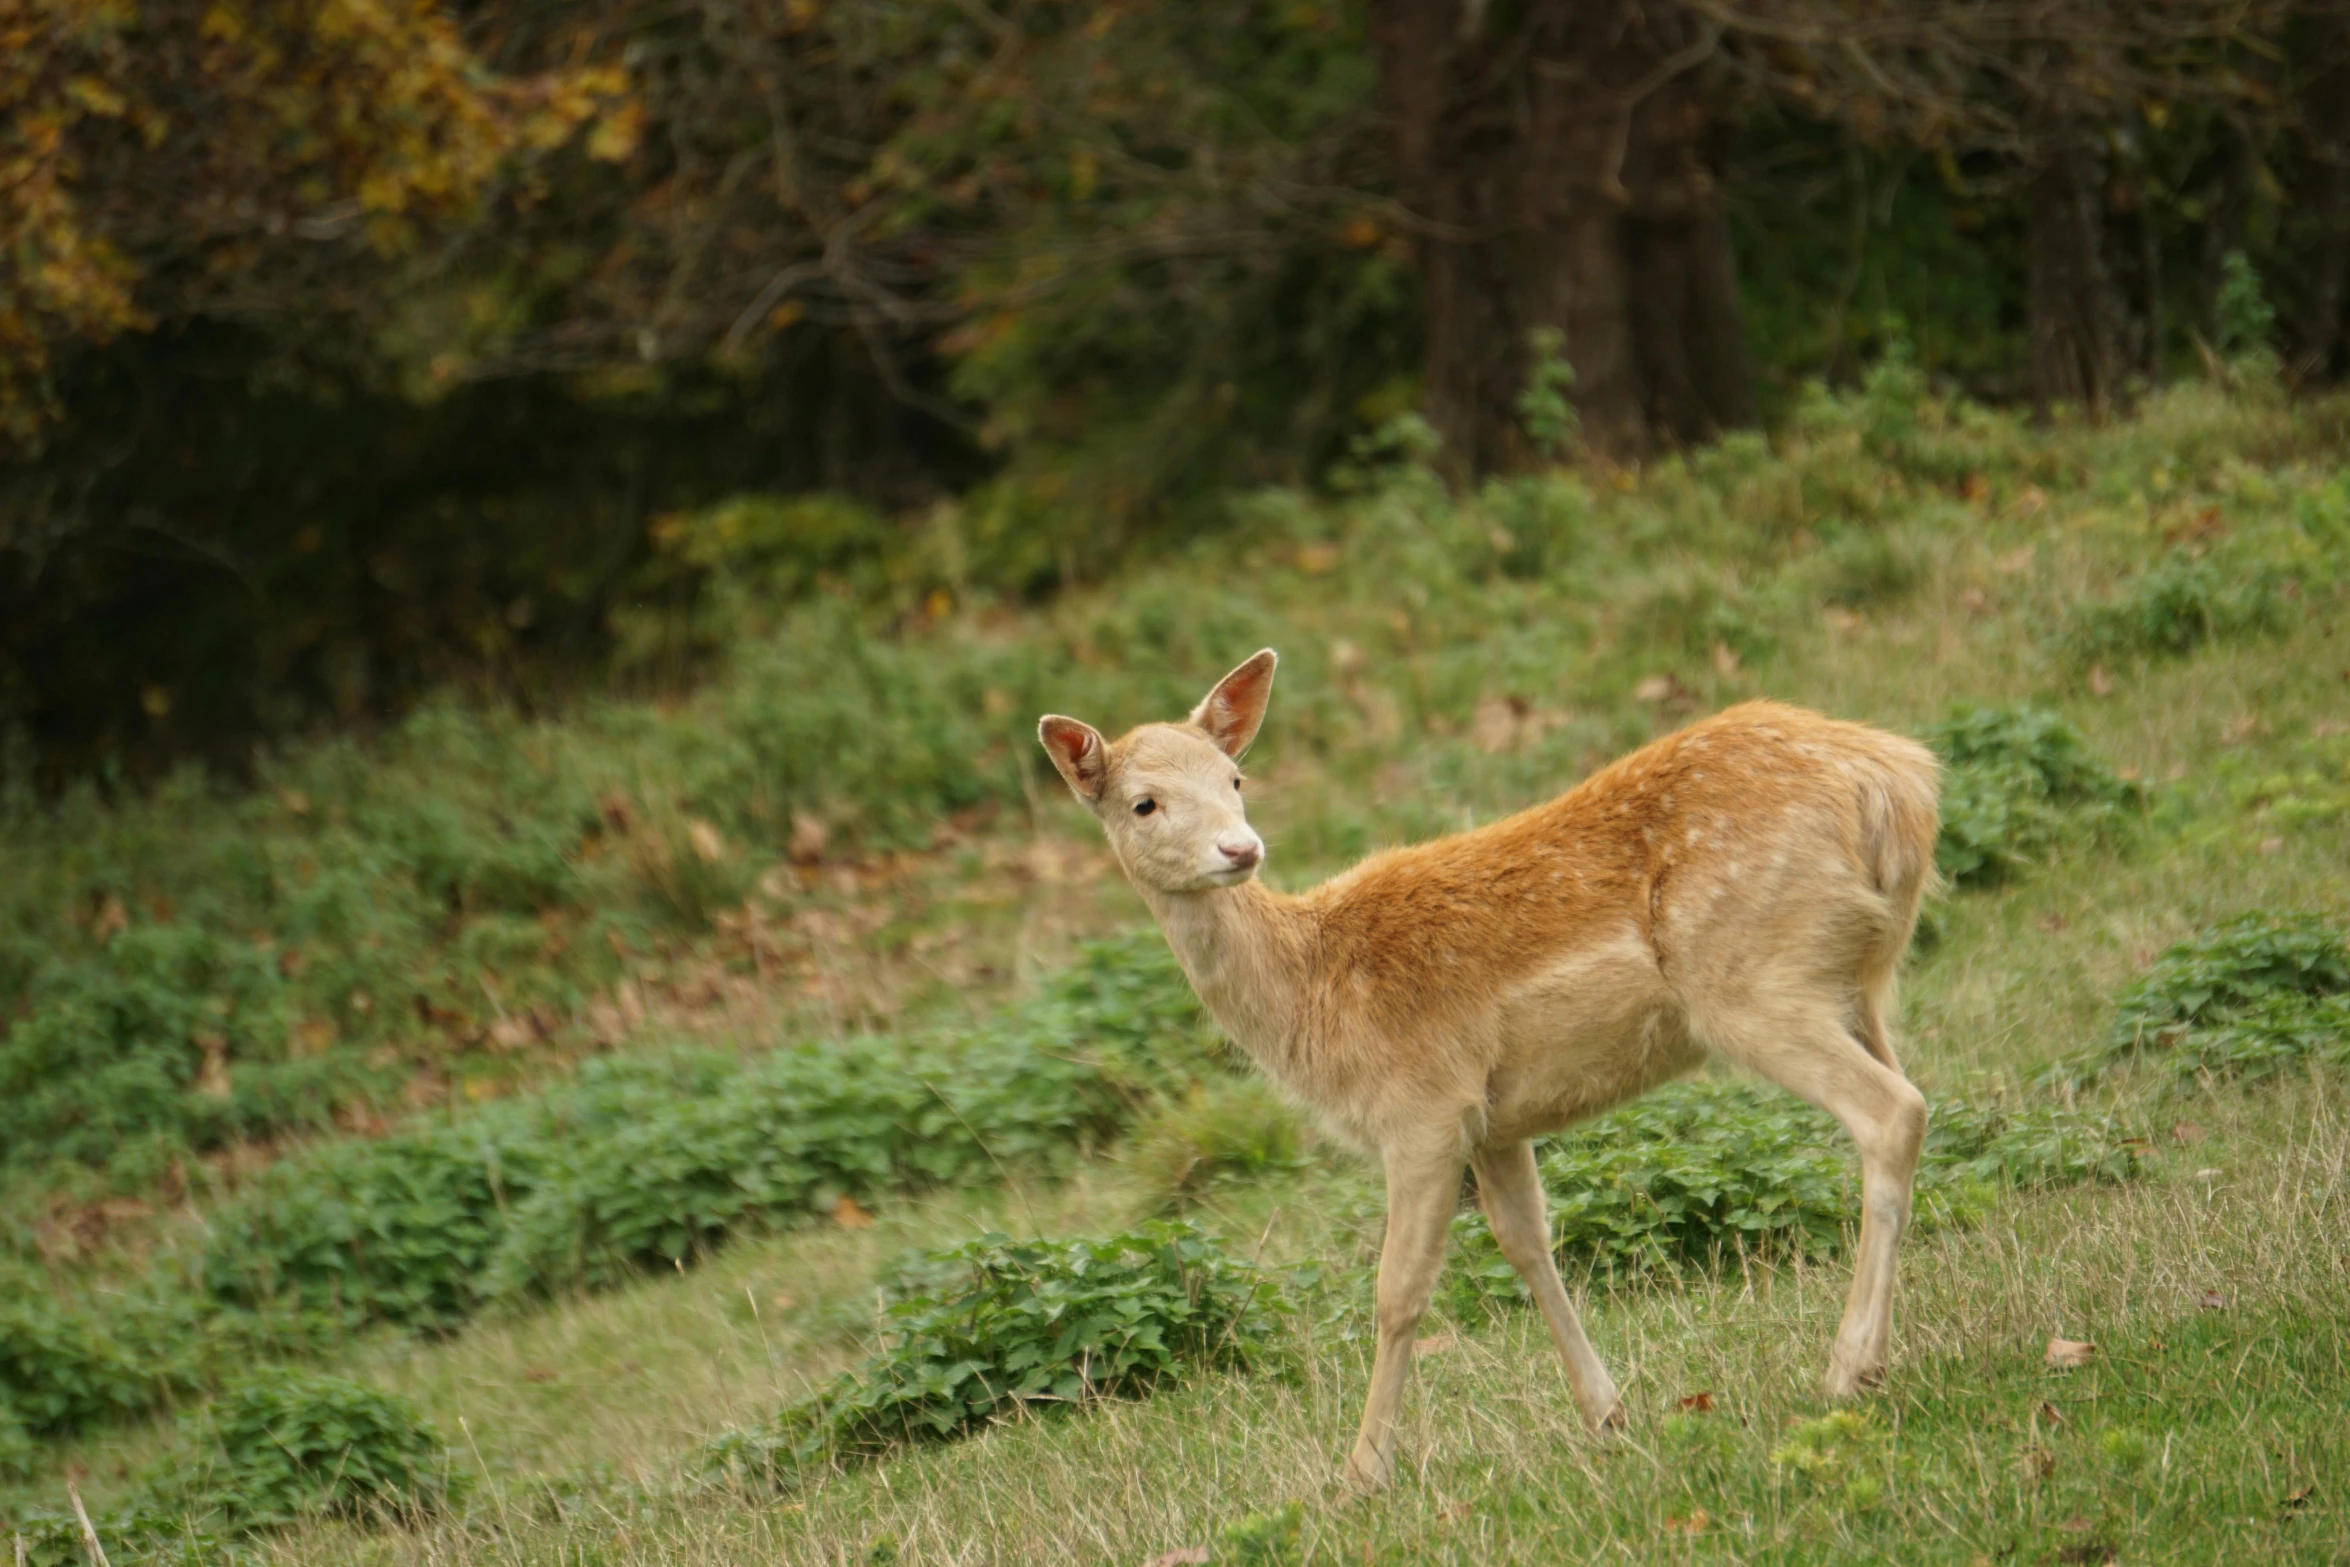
point(1248, 951)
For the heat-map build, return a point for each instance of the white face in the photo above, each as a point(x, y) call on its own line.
point(1173, 808)
point(1169, 795)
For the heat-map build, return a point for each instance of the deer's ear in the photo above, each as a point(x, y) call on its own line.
point(1233, 711)
point(1077, 752)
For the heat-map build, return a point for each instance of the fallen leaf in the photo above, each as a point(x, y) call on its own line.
point(707, 845)
point(1693, 1524)
point(1181, 1556)
point(1974, 487)
point(2212, 1300)
point(2037, 1463)
point(2051, 923)
point(849, 1214)
point(1725, 660)
point(2019, 560)
point(1698, 1403)
point(2296, 1500)
point(1433, 1344)
point(2187, 1134)
point(1655, 688)
point(2100, 683)
point(2050, 1413)
point(1453, 1513)
point(539, 1374)
point(2066, 1354)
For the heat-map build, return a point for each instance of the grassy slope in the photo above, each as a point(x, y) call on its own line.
point(2181, 1446)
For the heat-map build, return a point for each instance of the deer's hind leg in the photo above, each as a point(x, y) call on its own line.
point(1510, 1187)
point(1808, 1051)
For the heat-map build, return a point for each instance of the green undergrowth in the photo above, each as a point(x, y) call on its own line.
point(1000, 1329)
point(2017, 783)
point(275, 1448)
point(1709, 1172)
point(640, 1162)
point(2257, 995)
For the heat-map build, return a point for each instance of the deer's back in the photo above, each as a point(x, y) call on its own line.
point(1683, 844)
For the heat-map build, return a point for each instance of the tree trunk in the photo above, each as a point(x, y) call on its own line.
point(2075, 311)
point(2325, 196)
point(1555, 165)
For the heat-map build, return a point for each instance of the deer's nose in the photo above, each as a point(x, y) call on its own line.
point(1243, 855)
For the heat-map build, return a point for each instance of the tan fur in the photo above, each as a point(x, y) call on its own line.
point(1746, 885)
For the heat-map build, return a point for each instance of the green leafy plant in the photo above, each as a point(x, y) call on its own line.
point(1840, 1455)
point(1274, 1539)
point(1543, 409)
point(2248, 998)
point(1223, 1130)
point(2018, 782)
point(2178, 605)
point(286, 1444)
point(1703, 1172)
point(1009, 1327)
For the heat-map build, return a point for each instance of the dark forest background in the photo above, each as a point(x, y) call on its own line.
point(352, 348)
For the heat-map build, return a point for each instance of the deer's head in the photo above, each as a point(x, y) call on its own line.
point(1169, 795)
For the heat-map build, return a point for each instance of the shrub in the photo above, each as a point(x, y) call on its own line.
point(1013, 1327)
point(2177, 606)
point(287, 1444)
point(1702, 1172)
point(63, 1370)
point(2248, 998)
point(1222, 1130)
point(2018, 781)
point(398, 1230)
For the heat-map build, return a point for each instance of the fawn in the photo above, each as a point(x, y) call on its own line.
point(1746, 885)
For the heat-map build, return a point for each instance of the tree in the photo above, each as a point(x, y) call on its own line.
point(1554, 157)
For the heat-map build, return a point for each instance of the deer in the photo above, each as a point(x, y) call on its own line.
point(1744, 887)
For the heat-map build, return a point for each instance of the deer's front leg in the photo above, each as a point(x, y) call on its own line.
point(1423, 1186)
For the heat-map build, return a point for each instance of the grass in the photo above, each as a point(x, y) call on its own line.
point(1432, 678)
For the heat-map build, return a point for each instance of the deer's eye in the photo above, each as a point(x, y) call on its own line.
point(1145, 807)
point(1236, 781)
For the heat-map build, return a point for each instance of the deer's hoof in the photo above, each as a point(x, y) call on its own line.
point(1367, 1473)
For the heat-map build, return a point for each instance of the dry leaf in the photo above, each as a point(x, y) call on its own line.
point(2100, 683)
point(1725, 660)
point(1693, 1524)
point(1317, 560)
point(707, 844)
point(2037, 1463)
point(2020, 560)
point(850, 1215)
point(1453, 1513)
point(809, 835)
point(1655, 688)
point(2066, 1354)
point(1181, 1556)
point(2212, 1300)
point(1433, 1344)
point(2050, 1413)
point(1973, 488)
point(1697, 1403)
point(2186, 1133)
point(2298, 1499)
point(539, 1374)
